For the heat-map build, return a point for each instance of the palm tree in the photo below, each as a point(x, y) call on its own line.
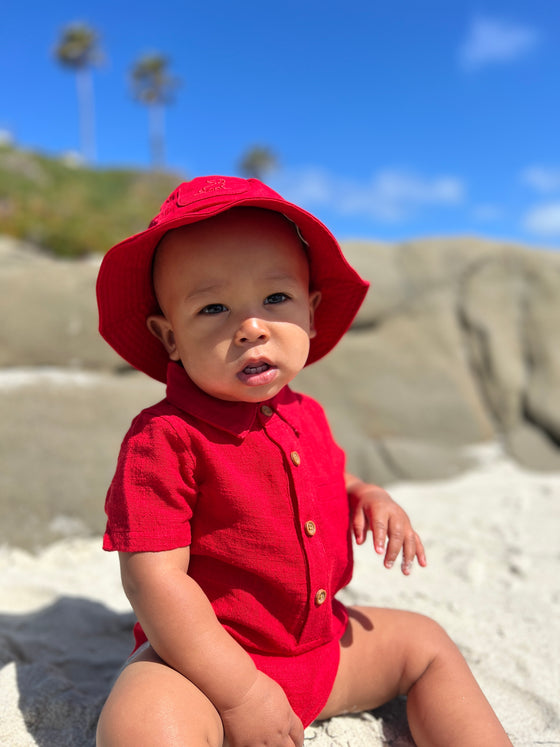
point(78, 50)
point(154, 86)
point(258, 161)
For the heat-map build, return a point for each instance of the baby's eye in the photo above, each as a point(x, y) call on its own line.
point(276, 298)
point(213, 308)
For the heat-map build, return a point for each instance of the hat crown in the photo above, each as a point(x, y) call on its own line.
point(205, 194)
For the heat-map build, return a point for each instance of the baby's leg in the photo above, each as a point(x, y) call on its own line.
point(152, 704)
point(385, 653)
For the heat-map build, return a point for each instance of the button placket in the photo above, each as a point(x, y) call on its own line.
point(314, 551)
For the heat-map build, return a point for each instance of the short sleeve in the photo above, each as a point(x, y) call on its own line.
point(150, 501)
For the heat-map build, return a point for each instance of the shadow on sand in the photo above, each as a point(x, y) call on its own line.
point(65, 657)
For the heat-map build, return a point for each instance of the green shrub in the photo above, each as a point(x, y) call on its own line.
point(72, 210)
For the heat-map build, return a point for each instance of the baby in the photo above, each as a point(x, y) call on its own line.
point(230, 507)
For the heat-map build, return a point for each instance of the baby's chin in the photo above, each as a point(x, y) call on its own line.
point(246, 394)
point(254, 395)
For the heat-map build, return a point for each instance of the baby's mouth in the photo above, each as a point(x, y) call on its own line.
point(258, 373)
point(260, 368)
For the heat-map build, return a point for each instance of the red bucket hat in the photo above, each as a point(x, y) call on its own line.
point(125, 293)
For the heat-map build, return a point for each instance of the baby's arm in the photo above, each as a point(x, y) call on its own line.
point(372, 508)
point(181, 626)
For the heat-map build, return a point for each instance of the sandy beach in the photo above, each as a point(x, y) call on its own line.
point(492, 581)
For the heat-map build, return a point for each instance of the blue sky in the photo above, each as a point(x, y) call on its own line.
point(391, 119)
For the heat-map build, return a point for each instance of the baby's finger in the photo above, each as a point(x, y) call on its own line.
point(409, 552)
point(377, 520)
point(379, 530)
point(396, 539)
point(359, 525)
point(296, 731)
point(412, 548)
point(420, 552)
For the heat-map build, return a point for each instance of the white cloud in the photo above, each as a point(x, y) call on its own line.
point(391, 195)
point(491, 40)
point(542, 179)
point(311, 186)
point(543, 220)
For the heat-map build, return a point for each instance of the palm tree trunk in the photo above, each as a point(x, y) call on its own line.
point(157, 136)
point(87, 114)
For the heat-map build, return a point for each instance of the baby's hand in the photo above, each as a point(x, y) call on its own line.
point(372, 508)
point(263, 717)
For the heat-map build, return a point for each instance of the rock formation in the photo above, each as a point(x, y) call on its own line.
point(458, 343)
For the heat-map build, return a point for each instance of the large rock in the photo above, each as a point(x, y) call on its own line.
point(60, 434)
point(457, 343)
point(48, 311)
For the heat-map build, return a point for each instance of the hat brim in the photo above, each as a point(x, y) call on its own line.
point(126, 298)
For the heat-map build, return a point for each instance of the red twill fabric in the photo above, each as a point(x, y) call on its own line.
point(257, 491)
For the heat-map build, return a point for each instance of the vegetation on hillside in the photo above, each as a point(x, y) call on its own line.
point(70, 210)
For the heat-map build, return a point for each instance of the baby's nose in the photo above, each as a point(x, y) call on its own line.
point(251, 330)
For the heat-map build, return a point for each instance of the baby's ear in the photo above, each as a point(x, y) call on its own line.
point(314, 301)
point(161, 328)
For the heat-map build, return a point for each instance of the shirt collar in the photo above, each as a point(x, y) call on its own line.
point(236, 418)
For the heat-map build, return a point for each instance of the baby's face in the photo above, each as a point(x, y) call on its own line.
point(237, 311)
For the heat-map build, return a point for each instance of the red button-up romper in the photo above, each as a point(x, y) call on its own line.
point(257, 491)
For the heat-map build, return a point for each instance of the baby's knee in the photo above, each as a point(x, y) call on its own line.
point(133, 728)
point(428, 645)
point(434, 638)
point(151, 714)
point(114, 726)
point(433, 633)
point(123, 723)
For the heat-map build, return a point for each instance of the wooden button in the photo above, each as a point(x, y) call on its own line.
point(266, 410)
point(295, 457)
point(320, 597)
point(310, 528)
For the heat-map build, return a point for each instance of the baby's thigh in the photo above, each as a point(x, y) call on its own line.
point(382, 653)
point(151, 703)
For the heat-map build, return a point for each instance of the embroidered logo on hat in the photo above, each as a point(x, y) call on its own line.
point(200, 194)
point(211, 185)
point(203, 190)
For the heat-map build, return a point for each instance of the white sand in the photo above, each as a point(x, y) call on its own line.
point(493, 581)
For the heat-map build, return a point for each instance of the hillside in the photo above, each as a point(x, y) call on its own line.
point(70, 210)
